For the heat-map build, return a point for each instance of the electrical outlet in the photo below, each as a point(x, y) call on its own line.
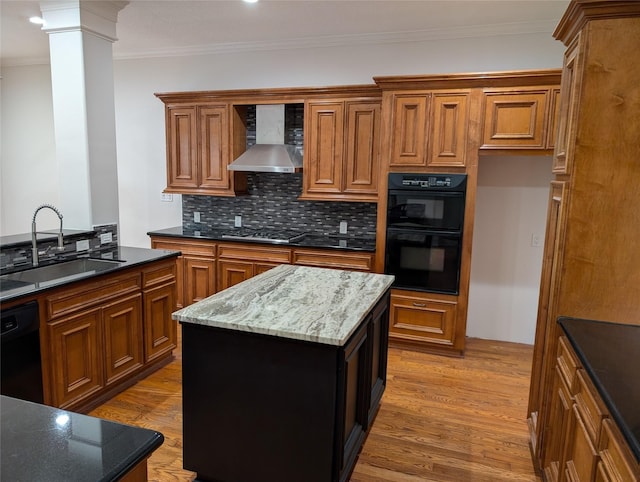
point(196, 217)
point(166, 197)
point(82, 245)
point(106, 238)
point(238, 222)
point(536, 240)
point(343, 227)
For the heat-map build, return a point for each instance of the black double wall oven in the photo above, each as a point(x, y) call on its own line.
point(425, 219)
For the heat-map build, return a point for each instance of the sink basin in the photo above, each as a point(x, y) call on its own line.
point(56, 273)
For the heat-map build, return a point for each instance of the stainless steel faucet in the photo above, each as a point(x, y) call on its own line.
point(34, 233)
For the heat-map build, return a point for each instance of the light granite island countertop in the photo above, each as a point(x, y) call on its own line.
point(285, 370)
point(303, 303)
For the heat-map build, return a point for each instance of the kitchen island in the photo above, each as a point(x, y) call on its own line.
point(283, 374)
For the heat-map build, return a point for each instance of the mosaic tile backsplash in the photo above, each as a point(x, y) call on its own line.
point(273, 202)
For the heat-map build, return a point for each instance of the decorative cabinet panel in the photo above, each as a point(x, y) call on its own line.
point(425, 318)
point(341, 150)
point(76, 357)
point(569, 103)
point(409, 130)
point(123, 338)
point(199, 149)
point(450, 127)
point(518, 118)
point(160, 330)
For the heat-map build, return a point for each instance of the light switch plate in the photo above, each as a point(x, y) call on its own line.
point(166, 197)
point(343, 227)
point(238, 222)
point(106, 238)
point(82, 245)
point(196, 217)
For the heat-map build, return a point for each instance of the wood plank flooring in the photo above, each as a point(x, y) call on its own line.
point(441, 418)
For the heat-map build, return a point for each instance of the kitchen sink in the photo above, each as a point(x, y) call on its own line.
point(55, 273)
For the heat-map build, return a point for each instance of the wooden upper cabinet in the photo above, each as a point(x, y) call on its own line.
point(199, 151)
point(324, 143)
point(450, 127)
point(341, 150)
point(182, 148)
point(361, 148)
point(517, 118)
point(409, 130)
point(214, 148)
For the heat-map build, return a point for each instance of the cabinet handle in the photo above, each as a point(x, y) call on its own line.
point(420, 305)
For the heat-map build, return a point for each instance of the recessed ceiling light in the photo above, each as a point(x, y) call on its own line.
point(250, 1)
point(37, 20)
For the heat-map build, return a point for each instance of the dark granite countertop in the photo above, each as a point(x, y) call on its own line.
point(127, 257)
point(610, 353)
point(309, 240)
point(39, 442)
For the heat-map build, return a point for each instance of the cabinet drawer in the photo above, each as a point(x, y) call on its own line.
point(187, 246)
point(85, 294)
point(254, 253)
point(332, 259)
point(590, 406)
point(617, 463)
point(414, 317)
point(159, 273)
point(568, 364)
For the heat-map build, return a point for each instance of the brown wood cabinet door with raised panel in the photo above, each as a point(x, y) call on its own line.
point(559, 418)
point(409, 130)
point(160, 330)
point(76, 357)
point(569, 104)
point(214, 148)
point(123, 348)
point(233, 272)
point(449, 127)
point(416, 318)
point(262, 267)
point(516, 119)
point(200, 277)
point(581, 454)
point(361, 149)
point(324, 145)
point(182, 149)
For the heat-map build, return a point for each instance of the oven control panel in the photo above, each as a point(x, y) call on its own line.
point(426, 181)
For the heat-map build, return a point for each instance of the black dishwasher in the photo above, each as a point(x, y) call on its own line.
point(21, 367)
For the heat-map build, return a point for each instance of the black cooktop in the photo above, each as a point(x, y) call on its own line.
point(271, 235)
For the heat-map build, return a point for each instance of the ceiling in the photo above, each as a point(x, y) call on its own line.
point(152, 28)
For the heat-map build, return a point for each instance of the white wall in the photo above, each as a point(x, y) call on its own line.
point(26, 107)
point(511, 207)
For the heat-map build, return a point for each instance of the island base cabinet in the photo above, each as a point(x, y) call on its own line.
point(268, 408)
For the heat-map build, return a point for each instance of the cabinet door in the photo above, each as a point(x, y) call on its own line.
point(617, 461)
point(560, 414)
point(214, 148)
point(123, 348)
point(449, 129)
point(361, 149)
point(354, 399)
point(417, 318)
point(554, 110)
point(233, 272)
point(76, 357)
point(324, 145)
point(515, 120)
point(200, 279)
point(581, 454)
point(182, 149)
point(160, 331)
point(409, 130)
point(569, 104)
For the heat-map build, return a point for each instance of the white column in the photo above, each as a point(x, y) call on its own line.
point(81, 34)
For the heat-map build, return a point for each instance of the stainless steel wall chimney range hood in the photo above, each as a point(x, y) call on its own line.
point(270, 153)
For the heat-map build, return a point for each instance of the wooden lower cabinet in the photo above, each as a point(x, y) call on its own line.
point(581, 442)
point(238, 262)
point(427, 320)
point(101, 334)
point(326, 258)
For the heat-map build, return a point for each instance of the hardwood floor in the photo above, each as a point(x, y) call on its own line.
point(441, 418)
